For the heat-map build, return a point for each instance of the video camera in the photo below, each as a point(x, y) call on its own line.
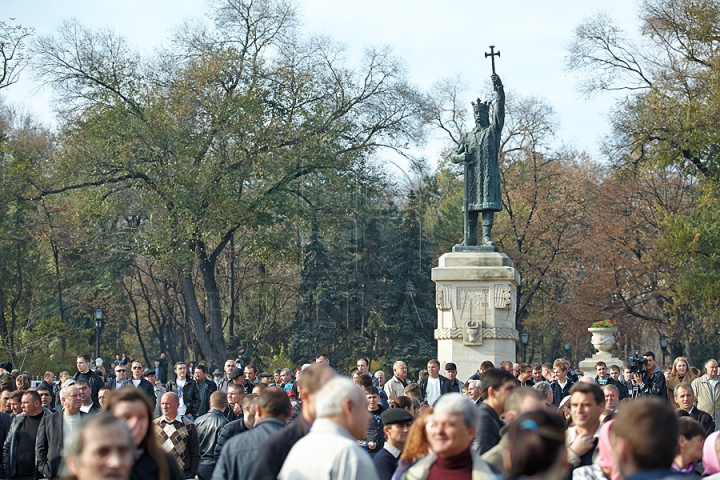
point(638, 364)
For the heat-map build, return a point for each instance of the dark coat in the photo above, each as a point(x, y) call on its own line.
point(210, 388)
point(49, 444)
point(558, 392)
point(190, 393)
point(9, 451)
point(228, 431)
point(487, 434)
point(444, 385)
point(622, 390)
point(240, 452)
point(654, 383)
point(385, 464)
point(146, 469)
point(275, 450)
point(146, 387)
point(704, 419)
point(208, 428)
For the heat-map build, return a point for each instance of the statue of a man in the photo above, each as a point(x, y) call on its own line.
point(479, 151)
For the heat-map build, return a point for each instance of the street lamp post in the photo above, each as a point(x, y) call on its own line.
point(663, 346)
point(524, 339)
point(566, 346)
point(98, 326)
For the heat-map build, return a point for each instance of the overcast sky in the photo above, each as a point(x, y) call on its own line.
point(435, 39)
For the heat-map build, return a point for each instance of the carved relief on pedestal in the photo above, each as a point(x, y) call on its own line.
point(501, 333)
point(442, 297)
point(472, 300)
point(448, 333)
point(473, 333)
point(503, 296)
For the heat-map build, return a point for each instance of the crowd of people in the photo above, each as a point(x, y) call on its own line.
point(635, 422)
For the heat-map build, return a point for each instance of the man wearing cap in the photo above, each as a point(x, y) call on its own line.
point(396, 424)
point(451, 374)
point(266, 378)
point(151, 376)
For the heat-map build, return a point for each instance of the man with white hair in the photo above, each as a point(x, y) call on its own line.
point(475, 391)
point(342, 418)
point(395, 387)
point(450, 432)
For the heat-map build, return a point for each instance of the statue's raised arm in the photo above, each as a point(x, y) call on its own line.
point(499, 109)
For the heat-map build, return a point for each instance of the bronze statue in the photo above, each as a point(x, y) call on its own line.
point(478, 151)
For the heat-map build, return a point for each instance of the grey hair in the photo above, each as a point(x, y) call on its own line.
point(76, 441)
point(543, 387)
point(708, 362)
point(476, 383)
point(286, 371)
point(329, 400)
point(399, 362)
point(458, 403)
point(64, 390)
point(379, 371)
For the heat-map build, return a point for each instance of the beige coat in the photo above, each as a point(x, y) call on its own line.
point(420, 469)
point(674, 382)
point(704, 399)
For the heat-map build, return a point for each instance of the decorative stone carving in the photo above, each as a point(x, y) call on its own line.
point(504, 333)
point(473, 333)
point(448, 333)
point(472, 298)
point(442, 297)
point(503, 296)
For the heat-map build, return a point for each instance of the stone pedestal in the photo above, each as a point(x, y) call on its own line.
point(476, 299)
point(603, 339)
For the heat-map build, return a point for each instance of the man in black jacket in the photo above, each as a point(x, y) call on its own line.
point(138, 381)
point(562, 384)
point(653, 382)
point(186, 390)
point(497, 384)
point(49, 443)
point(94, 381)
point(19, 447)
point(206, 387)
point(685, 399)
point(236, 427)
point(275, 450)
point(208, 427)
point(433, 385)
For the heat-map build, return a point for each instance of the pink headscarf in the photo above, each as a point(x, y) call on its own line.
point(710, 455)
point(605, 447)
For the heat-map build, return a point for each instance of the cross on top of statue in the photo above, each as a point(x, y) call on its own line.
point(492, 56)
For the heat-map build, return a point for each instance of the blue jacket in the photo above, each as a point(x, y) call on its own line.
point(240, 452)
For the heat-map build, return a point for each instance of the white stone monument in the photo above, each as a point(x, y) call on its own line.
point(476, 299)
point(603, 339)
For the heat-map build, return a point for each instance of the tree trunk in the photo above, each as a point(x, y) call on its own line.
point(207, 267)
point(197, 320)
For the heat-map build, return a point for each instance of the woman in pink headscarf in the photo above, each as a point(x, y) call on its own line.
point(604, 469)
point(710, 457)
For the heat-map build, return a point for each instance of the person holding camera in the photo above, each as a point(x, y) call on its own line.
point(653, 381)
